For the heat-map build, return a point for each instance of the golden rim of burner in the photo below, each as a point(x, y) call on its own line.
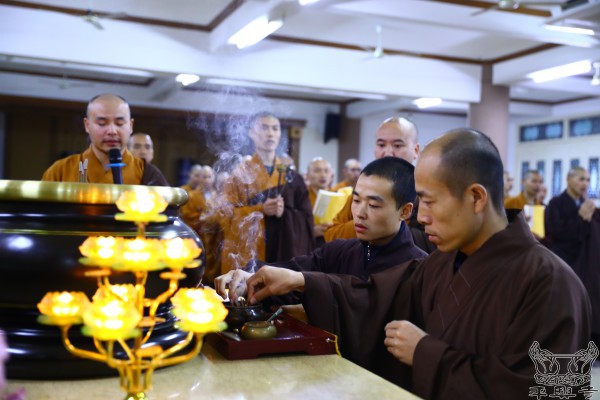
point(81, 193)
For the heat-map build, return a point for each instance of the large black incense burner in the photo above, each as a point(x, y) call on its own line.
point(42, 225)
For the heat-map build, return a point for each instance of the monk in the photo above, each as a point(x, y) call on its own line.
point(351, 171)
point(532, 183)
point(141, 146)
point(463, 321)
point(271, 217)
point(109, 124)
point(382, 201)
point(395, 137)
point(573, 229)
point(318, 176)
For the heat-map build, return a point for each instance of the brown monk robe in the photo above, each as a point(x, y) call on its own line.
point(135, 172)
point(465, 320)
point(480, 321)
point(251, 235)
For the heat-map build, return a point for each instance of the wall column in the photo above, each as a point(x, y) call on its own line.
point(490, 115)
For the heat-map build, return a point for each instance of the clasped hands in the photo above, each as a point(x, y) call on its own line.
point(273, 207)
point(587, 209)
point(268, 281)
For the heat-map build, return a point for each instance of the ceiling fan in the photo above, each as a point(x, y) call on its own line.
point(377, 51)
point(65, 83)
point(505, 5)
point(92, 17)
point(95, 18)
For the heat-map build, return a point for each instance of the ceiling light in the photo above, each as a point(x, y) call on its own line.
point(254, 32)
point(426, 102)
point(307, 2)
point(562, 71)
point(187, 79)
point(596, 78)
point(570, 29)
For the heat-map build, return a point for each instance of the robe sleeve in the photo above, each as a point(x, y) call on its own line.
point(292, 234)
point(357, 312)
point(152, 176)
point(343, 224)
point(190, 212)
point(441, 371)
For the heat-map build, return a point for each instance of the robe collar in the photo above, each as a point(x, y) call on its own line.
point(480, 267)
point(371, 250)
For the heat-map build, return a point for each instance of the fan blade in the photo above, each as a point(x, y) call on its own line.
point(115, 16)
point(94, 20)
point(483, 10)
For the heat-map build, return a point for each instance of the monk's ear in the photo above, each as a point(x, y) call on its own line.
point(406, 211)
point(86, 124)
point(479, 196)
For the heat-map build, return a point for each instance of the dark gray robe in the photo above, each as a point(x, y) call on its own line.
point(481, 320)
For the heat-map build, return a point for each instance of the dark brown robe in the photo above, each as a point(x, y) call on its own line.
point(481, 320)
point(355, 257)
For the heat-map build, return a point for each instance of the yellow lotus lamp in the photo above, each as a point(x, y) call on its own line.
point(125, 293)
point(180, 253)
point(141, 206)
point(109, 319)
point(62, 308)
point(199, 310)
point(101, 251)
point(141, 255)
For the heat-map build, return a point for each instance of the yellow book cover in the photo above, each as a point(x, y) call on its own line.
point(327, 205)
point(347, 190)
point(535, 219)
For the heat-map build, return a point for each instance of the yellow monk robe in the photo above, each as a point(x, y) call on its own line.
point(517, 202)
point(343, 224)
point(340, 185)
point(198, 214)
point(67, 169)
point(245, 225)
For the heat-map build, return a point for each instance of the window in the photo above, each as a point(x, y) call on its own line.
point(551, 130)
point(556, 177)
point(584, 126)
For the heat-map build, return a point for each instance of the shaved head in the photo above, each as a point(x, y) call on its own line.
point(467, 157)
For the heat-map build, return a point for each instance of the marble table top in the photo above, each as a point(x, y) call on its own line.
point(210, 376)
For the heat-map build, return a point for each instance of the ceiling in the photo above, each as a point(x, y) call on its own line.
point(325, 52)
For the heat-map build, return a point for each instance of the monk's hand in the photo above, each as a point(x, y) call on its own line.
point(273, 281)
point(235, 281)
point(320, 229)
point(280, 207)
point(586, 210)
point(270, 207)
point(401, 339)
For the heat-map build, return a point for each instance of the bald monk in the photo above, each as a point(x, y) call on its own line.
point(395, 137)
point(351, 171)
point(532, 184)
point(318, 176)
point(460, 325)
point(109, 124)
point(270, 217)
point(141, 146)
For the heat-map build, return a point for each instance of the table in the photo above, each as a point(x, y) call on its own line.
point(210, 376)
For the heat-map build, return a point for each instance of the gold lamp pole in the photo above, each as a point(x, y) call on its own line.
point(122, 315)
